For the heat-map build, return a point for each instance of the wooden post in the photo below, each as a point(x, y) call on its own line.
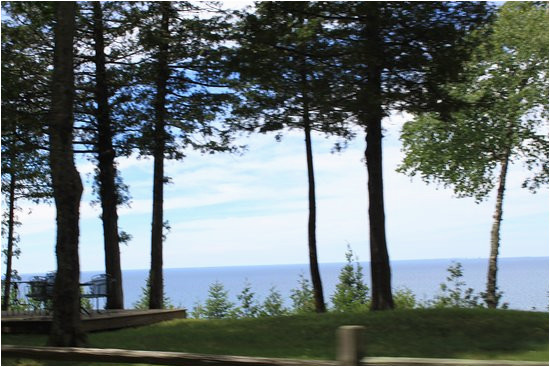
point(350, 344)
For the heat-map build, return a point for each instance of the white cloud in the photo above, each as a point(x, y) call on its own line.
point(252, 209)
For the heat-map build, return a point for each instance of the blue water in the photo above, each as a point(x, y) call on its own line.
point(524, 281)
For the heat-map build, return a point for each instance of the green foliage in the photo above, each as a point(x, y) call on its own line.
point(352, 293)
point(25, 98)
point(273, 304)
point(302, 296)
point(143, 302)
point(503, 110)
point(453, 293)
point(217, 305)
point(16, 302)
point(285, 77)
point(404, 298)
point(249, 306)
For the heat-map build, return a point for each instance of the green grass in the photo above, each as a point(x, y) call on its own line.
point(436, 333)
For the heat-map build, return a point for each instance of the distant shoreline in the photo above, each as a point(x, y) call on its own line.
point(363, 262)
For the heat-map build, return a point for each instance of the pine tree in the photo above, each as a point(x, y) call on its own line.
point(143, 302)
point(395, 56)
point(286, 81)
point(303, 298)
point(351, 294)
point(248, 305)
point(178, 96)
point(217, 305)
point(66, 327)
point(273, 304)
point(25, 99)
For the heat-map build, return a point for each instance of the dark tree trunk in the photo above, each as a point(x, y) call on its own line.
point(491, 296)
point(311, 228)
point(107, 171)
point(66, 328)
point(311, 235)
point(155, 275)
point(9, 254)
point(380, 263)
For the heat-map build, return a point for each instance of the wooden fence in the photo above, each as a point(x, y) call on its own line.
point(350, 351)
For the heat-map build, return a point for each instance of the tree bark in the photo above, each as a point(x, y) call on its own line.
point(491, 296)
point(66, 327)
point(106, 166)
point(163, 73)
point(373, 113)
point(311, 228)
point(9, 254)
point(312, 241)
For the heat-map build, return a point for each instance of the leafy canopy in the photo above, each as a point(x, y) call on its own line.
point(503, 114)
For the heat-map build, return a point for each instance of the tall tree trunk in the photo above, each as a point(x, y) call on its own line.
point(66, 327)
point(491, 296)
point(107, 171)
point(312, 242)
point(9, 254)
point(380, 263)
point(311, 228)
point(163, 72)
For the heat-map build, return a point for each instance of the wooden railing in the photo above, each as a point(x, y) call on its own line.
point(350, 351)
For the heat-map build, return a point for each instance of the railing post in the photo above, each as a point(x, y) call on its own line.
point(350, 344)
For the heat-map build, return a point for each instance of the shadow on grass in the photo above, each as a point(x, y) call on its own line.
point(430, 333)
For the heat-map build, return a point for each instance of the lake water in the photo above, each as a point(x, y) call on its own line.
point(524, 281)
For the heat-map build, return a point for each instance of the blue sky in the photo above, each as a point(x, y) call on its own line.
point(228, 210)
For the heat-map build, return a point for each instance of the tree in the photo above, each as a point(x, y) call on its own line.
point(503, 119)
point(178, 96)
point(32, 47)
point(249, 306)
point(273, 304)
point(351, 294)
point(25, 98)
point(286, 81)
point(103, 134)
point(218, 306)
point(452, 292)
point(66, 327)
point(395, 56)
point(303, 298)
point(143, 302)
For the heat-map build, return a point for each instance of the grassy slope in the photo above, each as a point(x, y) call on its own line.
point(445, 333)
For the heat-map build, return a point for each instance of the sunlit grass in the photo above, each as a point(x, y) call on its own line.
point(433, 333)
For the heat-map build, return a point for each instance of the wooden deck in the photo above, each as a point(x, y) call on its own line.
point(104, 320)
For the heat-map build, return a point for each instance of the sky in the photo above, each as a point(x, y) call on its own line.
point(252, 209)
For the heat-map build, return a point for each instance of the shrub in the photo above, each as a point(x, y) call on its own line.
point(404, 298)
point(143, 302)
point(302, 297)
point(249, 306)
point(217, 305)
point(273, 304)
point(352, 293)
point(453, 293)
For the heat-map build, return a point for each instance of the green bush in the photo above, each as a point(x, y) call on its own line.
point(404, 298)
point(249, 307)
point(143, 302)
point(453, 294)
point(302, 297)
point(352, 293)
point(217, 305)
point(273, 304)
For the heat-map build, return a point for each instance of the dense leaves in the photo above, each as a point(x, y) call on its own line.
point(502, 118)
point(352, 293)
